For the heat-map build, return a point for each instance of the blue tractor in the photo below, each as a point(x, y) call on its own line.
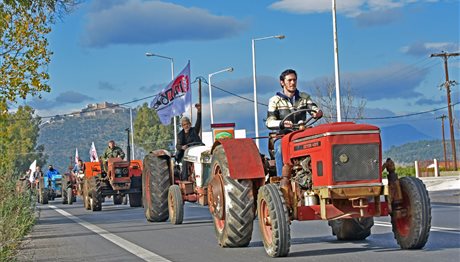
point(53, 181)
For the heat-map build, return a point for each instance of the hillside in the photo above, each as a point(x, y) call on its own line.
point(62, 136)
point(420, 150)
point(397, 135)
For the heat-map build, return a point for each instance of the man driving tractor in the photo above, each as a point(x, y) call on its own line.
point(111, 152)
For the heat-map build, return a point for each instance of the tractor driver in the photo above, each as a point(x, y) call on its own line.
point(111, 152)
point(284, 102)
point(187, 136)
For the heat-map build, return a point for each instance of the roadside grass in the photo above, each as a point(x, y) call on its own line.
point(16, 217)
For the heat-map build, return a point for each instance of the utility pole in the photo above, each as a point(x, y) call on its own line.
point(446, 166)
point(445, 56)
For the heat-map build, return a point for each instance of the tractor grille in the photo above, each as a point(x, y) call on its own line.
point(355, 162)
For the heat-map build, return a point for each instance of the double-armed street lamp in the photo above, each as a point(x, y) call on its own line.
point(255, 81)
point(172, 78)
point(229, 69)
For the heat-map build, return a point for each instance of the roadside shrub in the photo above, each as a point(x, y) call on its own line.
point(16, 217)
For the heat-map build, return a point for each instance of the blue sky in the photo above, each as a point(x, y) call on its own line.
point(384, 47)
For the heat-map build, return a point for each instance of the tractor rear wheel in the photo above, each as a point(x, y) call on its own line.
point(411, 230)
point(273, 221)
point(86, 195)
point(175, 205)
point(117, 199)
point(64, 193)
point(135, 200)
point(96, 195)
point(69, 195)
point(44, 196)
point(352, 229)
point(155, 184)
point(231, 203)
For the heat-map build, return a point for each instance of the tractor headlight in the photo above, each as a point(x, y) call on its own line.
point(343, 158)
point(125, 171)
point(118, 171)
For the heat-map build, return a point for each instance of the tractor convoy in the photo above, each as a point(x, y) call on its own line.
point(331, 172)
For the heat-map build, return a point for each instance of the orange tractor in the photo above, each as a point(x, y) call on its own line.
point(331, 172)
point(121, 178)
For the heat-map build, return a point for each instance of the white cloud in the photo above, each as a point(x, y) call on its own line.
point(350, 8)
point(425, 49)
point(146, 22)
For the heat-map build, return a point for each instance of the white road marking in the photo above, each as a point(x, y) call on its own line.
point(125, 244)
point(440, 229)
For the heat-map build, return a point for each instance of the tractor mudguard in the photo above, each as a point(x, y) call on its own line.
point(244, 161)
point(160, 152)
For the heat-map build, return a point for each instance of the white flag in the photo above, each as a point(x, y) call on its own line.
point(93, 154)
point(76, 156)
point(32, 168)
point(175, 99)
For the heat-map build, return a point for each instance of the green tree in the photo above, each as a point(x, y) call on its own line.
point(18, 142)
point(149, 133)
point(24, 52)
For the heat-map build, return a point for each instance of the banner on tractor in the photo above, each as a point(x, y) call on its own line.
point(175, 99)
point(93, 154)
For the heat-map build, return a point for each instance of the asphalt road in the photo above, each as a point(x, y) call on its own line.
point(121, 233)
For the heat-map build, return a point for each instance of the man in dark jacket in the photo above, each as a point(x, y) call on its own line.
point(188, 136)
point(111, 152)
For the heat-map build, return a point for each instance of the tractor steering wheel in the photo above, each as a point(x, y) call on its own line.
point(194, 144)
point(303, 124)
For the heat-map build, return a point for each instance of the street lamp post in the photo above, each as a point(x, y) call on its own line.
point(172, 78)
point(336, 63)
point(229, 69)
point(256, 122)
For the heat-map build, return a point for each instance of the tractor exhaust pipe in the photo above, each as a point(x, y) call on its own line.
point(128, 148)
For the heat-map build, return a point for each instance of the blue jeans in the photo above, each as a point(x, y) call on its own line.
point(278, 157)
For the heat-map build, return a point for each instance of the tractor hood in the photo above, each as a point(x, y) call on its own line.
point(333, 129)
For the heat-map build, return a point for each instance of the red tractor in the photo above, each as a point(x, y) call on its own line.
point(121, 178)
point(330, 172)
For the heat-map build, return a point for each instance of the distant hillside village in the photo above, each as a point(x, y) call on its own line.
point(96, 109)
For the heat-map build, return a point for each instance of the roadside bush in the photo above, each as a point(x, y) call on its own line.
point(16, 217)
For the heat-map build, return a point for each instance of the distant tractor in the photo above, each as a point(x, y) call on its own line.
point(121, 178)
point(69, 188)
point(164, 192)
point(54, 185)
point(331, 172)
point(41, 191)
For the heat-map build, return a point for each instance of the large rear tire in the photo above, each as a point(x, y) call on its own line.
point(273, 221)
point(175, 205)
point(117, 199)
point(233, 221)
point(64, 193)
point(352, 229)
point(69, 195)
point(412, 230)
point(96, 194)
point(135, 200)
point(155, 184)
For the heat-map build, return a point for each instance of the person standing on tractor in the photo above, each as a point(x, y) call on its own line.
point(78, 168)
point(187, 136)
point(283, 103)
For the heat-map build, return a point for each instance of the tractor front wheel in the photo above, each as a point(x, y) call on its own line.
point(155, 184)
point(135, 199)
point(175, 205)
point(273, 221)
point(117, 199)
point(352, 229)
point(231, 203)
point(411, 229)
point(64, 193)
point(69, 195)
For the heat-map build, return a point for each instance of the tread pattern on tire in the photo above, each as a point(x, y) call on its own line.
point(279, 216)
point(420, 212)
point(239, 207)
point(177, 217)
point(156, 172)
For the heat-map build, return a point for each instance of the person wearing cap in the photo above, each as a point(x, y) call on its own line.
point(283, 103)
point(187, 136)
